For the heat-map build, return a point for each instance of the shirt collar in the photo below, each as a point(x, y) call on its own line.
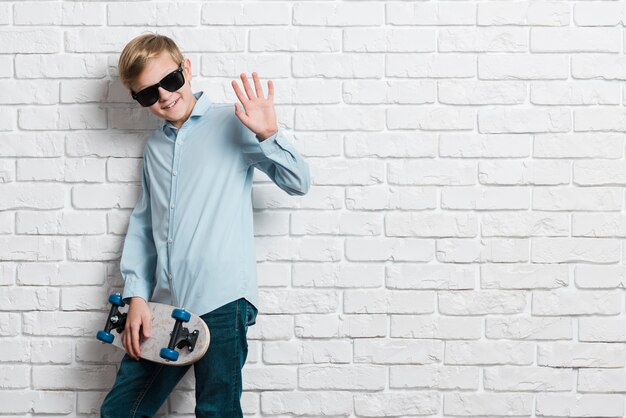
point(202, 105)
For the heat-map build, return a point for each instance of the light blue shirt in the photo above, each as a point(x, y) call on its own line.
point(190, 239)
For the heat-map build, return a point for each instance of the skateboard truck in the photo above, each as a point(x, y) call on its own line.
point(180, 337)
point(115, 321)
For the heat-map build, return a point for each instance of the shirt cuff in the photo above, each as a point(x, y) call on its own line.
point(269, 145)
point(136, 287)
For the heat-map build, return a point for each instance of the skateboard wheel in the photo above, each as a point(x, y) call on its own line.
point(116, 299)
point(181, 315)
point(168, 354)
point(105, 337)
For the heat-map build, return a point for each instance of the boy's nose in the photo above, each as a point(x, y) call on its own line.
point(164, 94)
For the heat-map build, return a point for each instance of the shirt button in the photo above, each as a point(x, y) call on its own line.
point(169, 241)
point(172, 206)
point(174, 172)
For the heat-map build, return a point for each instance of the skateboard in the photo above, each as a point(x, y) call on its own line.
point(177, 338)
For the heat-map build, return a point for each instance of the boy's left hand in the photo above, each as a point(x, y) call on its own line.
point(258, 112)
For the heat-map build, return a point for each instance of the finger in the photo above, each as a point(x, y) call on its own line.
point(126, 342)
point(270, 90)
point(257, 85)
point(147, 326)
point(242, 98)
point(240, 114)
point(129, 346)
point(247, 87)
point(135, 342)
point(129, 342)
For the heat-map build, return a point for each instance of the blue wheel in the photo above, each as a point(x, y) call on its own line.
point(168, 354)
point(105, 337)
point(181, 314)
point(116, 299)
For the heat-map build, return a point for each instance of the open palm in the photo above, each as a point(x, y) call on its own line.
point(258, 112)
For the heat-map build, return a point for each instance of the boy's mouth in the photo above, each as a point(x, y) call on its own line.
point(171, 105)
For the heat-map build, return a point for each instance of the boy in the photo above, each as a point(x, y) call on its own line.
point(190, 240)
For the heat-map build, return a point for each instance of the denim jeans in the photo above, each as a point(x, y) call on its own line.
point(141, 387)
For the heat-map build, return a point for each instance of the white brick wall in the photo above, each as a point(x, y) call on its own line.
point(460, 252)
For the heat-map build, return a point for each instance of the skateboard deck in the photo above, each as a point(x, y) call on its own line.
point(177, 337)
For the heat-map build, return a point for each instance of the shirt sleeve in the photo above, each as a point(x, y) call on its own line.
point(139, 256)
point(279, 159)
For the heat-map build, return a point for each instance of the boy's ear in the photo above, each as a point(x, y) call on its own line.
point(187, 67)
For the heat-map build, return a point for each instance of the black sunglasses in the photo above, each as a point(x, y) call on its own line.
point(171, 82)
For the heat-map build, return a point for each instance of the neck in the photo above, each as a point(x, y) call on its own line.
point(178, 123)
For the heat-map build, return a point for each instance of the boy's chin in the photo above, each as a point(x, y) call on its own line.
point(168, 115)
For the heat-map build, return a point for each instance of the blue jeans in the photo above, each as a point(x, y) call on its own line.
point(141, 387)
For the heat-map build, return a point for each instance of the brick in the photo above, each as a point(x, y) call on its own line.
point(291, 301)
point(306, 403)
point(396, 351)
point(441, 13)
point(481, 302)
point(302, 352)
point(576, 39)
point(156, 14)
point(313, 223)
point(33, 401)
point(35, 13)
point(524, 224)
point(388, 40)
point(390, 144)
point(533, 276)
point(483, 39)
point(225, 13)
point(398, 249)
point(65, 378)
point(342, 377)
point(548, 13)
point(434, 377)
point(343, 14)
point(567, 354)
point(439, 328)
point(465, 250)
point(529, 328)
point(30, 40)
point(504, 120)
point(579, 93)
point(340, 326)
point(559, 250)
point(489, 352)
point(523, 67)
point(270, 378)
point(292, 39)
point(558, 198)
point(29, 298)
point(395, 404)
point(468, 145)
point(339, 275)
point(488, 404)
point(533, 379)
point(579, 405)
point(24, 248)
point(388, 301)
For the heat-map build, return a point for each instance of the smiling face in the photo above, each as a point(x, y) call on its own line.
point(174, 106)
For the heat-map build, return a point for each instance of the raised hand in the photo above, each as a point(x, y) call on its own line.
point(258, 112)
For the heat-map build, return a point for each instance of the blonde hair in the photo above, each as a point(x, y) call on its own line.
point(140, 50)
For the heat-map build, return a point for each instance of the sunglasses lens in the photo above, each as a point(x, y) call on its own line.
point(148, 97)
point(173, 81)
